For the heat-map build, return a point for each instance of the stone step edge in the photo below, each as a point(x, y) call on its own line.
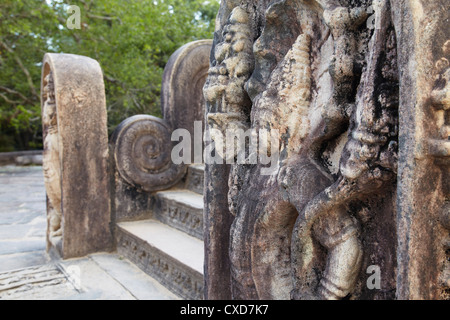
point(195, 178)
point(179, 278)
point(180, 214)
point(174, 195)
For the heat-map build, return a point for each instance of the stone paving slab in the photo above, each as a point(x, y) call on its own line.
point(21, 246)
point(22, 217)
point(109, 276)
point(33, 283)
point(23, 260)
point(28, 273)
point(102, 276)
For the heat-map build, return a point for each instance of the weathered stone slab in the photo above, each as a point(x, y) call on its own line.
point(40, 282)
point(12, 246)
point(217, 222)
point(75, 154)
point(23, 260)
point(138, 283)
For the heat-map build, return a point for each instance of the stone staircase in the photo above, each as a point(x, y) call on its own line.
point(169, 245)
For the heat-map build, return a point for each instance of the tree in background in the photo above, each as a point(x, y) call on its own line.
point(24, 29)
point(132, 40)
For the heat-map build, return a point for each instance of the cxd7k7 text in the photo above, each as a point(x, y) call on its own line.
point(239, 309)
point(246, 309)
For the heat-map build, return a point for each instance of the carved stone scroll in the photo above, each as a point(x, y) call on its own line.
point(143, 155)
point(75, 157)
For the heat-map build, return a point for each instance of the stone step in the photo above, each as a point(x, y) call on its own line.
point(170, 256)
point(181, 209)
point(195, 178)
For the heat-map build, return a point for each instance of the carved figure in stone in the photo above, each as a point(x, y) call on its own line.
point(440, 99)
point(228, 101)
point(76, 155)
point(367, 161)
point(336, 230)
point(296, 238)
point(439, 146)
point(51, 163)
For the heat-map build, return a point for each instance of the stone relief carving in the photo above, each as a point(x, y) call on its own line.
point(439, 148)
point(160, 264)
point(367, 162)
point(440, 100)
point(228, 102)
point(332, 93)
point(51, 161)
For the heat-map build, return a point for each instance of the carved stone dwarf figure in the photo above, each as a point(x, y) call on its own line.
point(234, 62)
point(369, 157)
point(51, 161)
point(297, 236)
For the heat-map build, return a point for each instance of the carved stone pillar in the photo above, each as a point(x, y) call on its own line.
point(423, 180)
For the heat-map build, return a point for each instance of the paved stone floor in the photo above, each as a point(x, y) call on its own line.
point(27, 272)
point(22, 217)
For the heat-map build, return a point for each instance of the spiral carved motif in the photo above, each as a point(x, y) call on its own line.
point(143, 154)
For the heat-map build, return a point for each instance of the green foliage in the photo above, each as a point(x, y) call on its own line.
point(24, 29)
point(131, 39)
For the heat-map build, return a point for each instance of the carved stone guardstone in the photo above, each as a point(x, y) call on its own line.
point(75, 158)
point(183, 79)
point(141, 146)
point(357, 91)
point(142, 162)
